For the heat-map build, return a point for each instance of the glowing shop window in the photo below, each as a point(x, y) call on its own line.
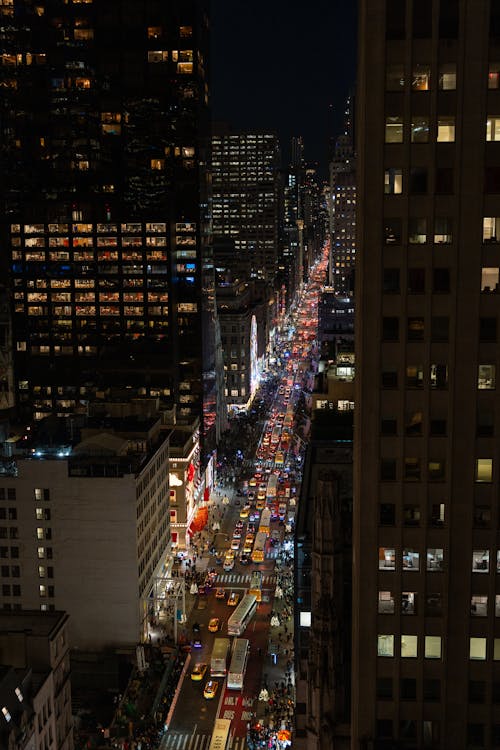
point(385, 645)
point(477, 649)
point(305, 620)
point(432, 647)
point(409, 646)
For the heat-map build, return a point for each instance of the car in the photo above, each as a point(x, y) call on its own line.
point(251, 495)
point(229, 562)
point(197, 642)
point(198, 671)
point(245, 558)
point(233, 599)
point(237, 534)
point(250, 538)
point(239, 525)
point(251, 528)
point(196, 627)
point(214, 625)
point(244, 513)
point(220, 593)
point(210, 689)
point(219, 558)
point(261, 503)
point(252, 482)
point(247, 548)
point(235, 544)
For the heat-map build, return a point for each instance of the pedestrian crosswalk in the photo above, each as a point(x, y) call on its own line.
point(190, 741)
point(243, 578)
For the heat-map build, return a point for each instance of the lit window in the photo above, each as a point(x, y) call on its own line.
point(491, 229)
point(394, 130)
point(393, 181)
point(489, 279)
point(420, 130)
point(442, 230)
point(446, 129)
point(386, 558)
point(6, 713)
point(157, 56)
point(157, 164)
point(154, 32)
point(477, 648)
point(385, 603)
point(411, 560)
point(421, 79)
point(432, 647)
point(19, 695)
point(486, 377)
point(385, 645)
point(480, 561)
point(493, 128)
point(409, 646)
point(42, 590)
point(417, 230)
point(479, 606)
point(448, 76)
point(484, 469)
point(494, 75)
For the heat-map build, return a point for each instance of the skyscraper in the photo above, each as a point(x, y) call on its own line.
point(426, 591)
point(104, 128)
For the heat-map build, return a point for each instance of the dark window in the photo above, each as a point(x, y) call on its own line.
point(4, 552)
point(50, 591)
point(388, 426)
point(6, 589)
point(395, 22)
point(384, 688)
point(14, 552)
point(5, 571)
point(495, 21)
point(387, 514)
point(439, 328)
point(387, 469)
point(482, 517)
point(416, 280)
point(384, 728)
point(485, 422)
point(437, 427)
point(408, 689)
point(488, 330)
point(389, 379)
point(3, 514)
point(448, 19)
point(495, 691)
point(415, 329)
point(441, 280)
point(436, 517)
point(492, 180)
point(392, 231)
point(431, 690)
point(433, 605)
point(411, 515)
point(15, 571)
point(391, 280)
point(390, 329)
point(422, 19)
point(16, 590)
point(475, 734)
point(418, 180)
point(408, 729)
point(444, 180)
point(495, 735)
point(11, 493)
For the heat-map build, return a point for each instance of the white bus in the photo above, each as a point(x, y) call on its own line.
point(265, 521)
point(242, 615)
point(257, 555)
point(218, 660)
point(221, 737)
point(238, 664)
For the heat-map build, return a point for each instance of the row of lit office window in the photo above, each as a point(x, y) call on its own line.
point(421, 75)
point(413, 469)
point(407, 647)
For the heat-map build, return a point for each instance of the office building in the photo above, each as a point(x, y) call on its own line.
point(244, 197)
point(105, 126)
point(35, 687)
point(85, 527)
point(426, 586)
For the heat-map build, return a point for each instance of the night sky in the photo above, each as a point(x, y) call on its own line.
point(284, 65)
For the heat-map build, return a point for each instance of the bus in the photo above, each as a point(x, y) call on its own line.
point(221, 738)
point(265, 521)
point(257, 555)
point(272, 488)
point(288, 421)
point(242, 615)
point(238, 664)
point(275, 435)
point(218, 660)
point(256, 585)
point(279, 458)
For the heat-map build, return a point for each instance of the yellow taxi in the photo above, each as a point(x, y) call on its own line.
point(244, 513)
point(233, 599)
point(214, 625)
point(198, 671)
point(210, 689)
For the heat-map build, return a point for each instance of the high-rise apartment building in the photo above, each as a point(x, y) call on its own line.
point(426, 544)
point(244, 197)
point(104, 128)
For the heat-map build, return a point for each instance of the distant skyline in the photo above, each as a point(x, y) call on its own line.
point(284, 66)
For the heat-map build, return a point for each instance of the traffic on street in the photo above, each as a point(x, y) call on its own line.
point(237, 686)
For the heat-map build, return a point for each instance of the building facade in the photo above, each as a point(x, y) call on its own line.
point(85, 528)
point(105, 130)
point(426, 612)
